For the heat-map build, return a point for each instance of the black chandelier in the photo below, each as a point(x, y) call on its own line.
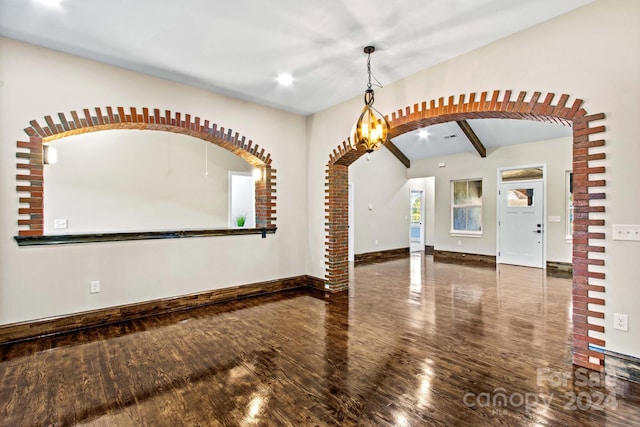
point(372, 128)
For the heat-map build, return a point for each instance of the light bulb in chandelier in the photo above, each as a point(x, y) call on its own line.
point(372, 128)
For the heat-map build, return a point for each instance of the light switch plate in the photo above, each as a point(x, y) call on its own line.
point(626, 232)
point(94, 287)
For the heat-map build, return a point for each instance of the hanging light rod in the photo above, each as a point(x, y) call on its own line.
point(372, 128)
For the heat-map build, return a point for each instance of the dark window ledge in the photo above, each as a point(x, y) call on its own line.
point(61, 239)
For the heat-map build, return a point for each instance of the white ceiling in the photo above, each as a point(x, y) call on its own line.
point(239, 47)
point(447, 138)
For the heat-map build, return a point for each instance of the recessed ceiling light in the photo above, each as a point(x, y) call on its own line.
point(285, 79)
point(50, 3)
point(423, 134)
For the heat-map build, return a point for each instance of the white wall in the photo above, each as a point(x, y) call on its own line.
point(380, 181)
point(38, 282)
point(134, 180)
point(430, 210)
point(554, 154)
point(592, 53)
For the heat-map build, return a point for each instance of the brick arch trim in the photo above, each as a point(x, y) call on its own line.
point(30, 167)
point(586, 241)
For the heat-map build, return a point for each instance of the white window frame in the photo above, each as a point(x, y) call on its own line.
point(464, 233)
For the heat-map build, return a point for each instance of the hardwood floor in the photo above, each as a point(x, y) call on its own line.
point(414, 343)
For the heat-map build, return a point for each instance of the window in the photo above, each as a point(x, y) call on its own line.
point(521, 174)
point(416, 207)
point(569, 203)
point(520, 197)
point(242, 205)
point(466, 207)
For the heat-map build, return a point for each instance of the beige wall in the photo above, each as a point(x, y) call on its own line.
point(592, 53)
point(134, 180)
point(37, 282)
point(380, 183)
point(555, 155)
point(385, 183)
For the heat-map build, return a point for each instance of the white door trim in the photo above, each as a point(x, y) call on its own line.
point(544, 211)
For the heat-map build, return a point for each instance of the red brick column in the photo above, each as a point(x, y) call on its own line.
point(337, 227)
point(266, 198)
point(585, 242)
point(30, 186)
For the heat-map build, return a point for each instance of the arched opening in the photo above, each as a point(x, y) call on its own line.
point(31, 166)
point(500, 105)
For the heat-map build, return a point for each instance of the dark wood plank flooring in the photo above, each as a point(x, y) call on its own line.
point(415, 343)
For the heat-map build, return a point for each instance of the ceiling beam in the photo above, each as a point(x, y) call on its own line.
point(475, 141)
point(399, 155)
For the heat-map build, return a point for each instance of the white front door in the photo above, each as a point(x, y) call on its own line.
point(521, 223)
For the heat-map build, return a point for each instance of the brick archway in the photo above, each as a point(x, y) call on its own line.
point(30, 155)
point(500, 105)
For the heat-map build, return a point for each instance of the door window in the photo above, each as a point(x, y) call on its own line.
point(520, 197)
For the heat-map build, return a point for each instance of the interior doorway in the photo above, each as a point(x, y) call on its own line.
point(587, 134)
point(242, 200)
point(416, 224)
point(521, 225)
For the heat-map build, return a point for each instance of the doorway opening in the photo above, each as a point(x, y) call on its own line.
point(521, 216)
point(242, 200)
point(587, 134)
point(416, 223)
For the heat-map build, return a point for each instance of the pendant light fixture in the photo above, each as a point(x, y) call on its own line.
point(372, 128)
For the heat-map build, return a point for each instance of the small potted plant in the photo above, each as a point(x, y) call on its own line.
point(240, 220)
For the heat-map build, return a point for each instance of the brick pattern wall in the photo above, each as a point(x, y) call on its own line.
point(30, 186)
point(337, 227)
point(29, 154)
point(507, 105)
point(265, 195)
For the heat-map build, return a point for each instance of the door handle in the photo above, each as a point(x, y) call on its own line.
point(537, 231)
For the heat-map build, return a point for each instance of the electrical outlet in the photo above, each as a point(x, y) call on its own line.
point(59, 223)
point(621, 322)
point(95, 287)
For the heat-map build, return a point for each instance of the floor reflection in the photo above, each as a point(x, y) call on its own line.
point(413, 343)
point(415, 278)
